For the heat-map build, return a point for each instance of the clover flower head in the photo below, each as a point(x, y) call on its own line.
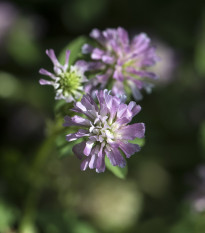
point(67, 81)
point(105, 130)
point(126, 61)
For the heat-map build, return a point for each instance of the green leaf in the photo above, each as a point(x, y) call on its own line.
point(66, 150)
point(75, 48)
point(117, 171)
point(64, 147)
point(139, 141)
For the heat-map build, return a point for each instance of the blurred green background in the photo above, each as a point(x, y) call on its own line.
point(51, 194)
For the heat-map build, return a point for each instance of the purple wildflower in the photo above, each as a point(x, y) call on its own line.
point(124, 61)
point(67, 81)
point(106, 130)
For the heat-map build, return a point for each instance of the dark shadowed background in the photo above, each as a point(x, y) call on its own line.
point(163, 192)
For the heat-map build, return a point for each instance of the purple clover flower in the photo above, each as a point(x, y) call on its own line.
point(67, 81)
point(105, 131)
point(124, 61)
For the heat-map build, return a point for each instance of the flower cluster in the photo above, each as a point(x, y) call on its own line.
point(119, 64)
point(106, 130)
point(67, 81)
point(124, 62)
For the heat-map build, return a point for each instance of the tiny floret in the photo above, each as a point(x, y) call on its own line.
point(124, 62)
point(106, 130)
point(67, 81)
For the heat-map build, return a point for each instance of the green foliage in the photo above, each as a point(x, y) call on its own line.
point(75, 48)
point(139, 141)
point(8, 215)
point(190, 223)
point(117, 171)
point(62, 109)
point(64, 147)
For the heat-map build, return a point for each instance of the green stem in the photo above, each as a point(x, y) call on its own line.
point(35, 175)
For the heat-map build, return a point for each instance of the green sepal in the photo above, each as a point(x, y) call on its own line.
point(117, 171)
point(139, 141)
